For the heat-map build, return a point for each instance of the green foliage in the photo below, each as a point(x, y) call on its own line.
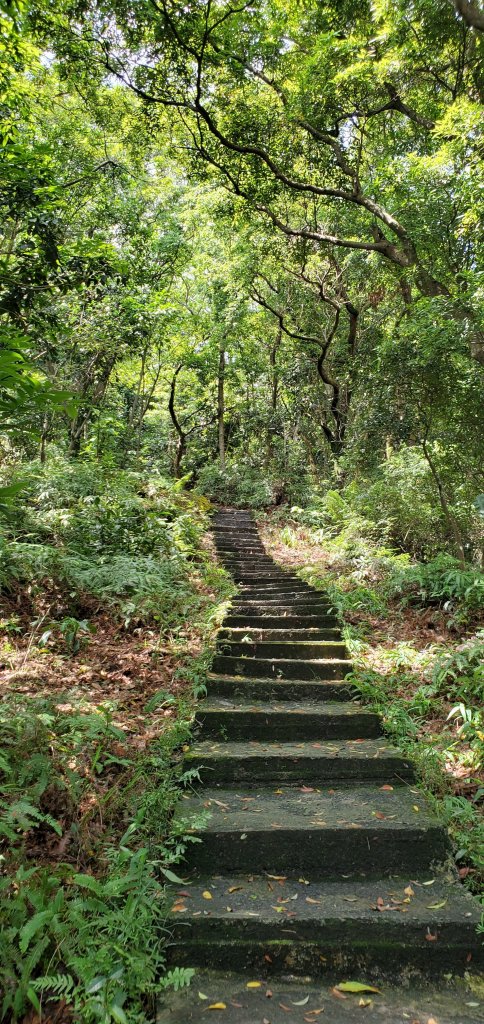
point(238, 486)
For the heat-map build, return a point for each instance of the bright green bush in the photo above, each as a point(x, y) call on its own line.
point(237, 486)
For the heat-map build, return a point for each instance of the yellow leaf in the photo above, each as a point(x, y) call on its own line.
point(254, 984)
point(409, 891)
point(217, 1006)
point(207, 895)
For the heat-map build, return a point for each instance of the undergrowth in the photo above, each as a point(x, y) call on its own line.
point(88, 781)
point(414, 632)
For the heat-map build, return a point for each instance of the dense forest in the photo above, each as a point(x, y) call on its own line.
point(240, 265)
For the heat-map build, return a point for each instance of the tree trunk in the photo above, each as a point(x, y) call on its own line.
point(451, 521)
point(181, 434)
point(221, 405)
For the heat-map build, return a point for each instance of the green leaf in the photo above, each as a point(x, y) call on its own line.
point(355, 986)
point(170, 875)
point(32, 927)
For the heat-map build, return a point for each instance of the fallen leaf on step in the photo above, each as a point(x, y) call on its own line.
point(254, 984)
point(217, 1006)
point(338, 995)
point(356, 986)
point(386, 789)
point(365, 1002)
point(351, 899)
point(178, 908)
point(430, 937)
point(436, 906)
point(235, 888)
point(409, 891)
point(286, 1008)
point(306, 789)
point(309, 900)
point(207, 895)
point(300, 1002)
point(201, 995)
point(278, 878)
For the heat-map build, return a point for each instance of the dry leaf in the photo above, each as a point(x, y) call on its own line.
point(217, 1006)
point(254, 984)
point(207, 895)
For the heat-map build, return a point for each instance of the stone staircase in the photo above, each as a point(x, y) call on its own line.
point(317, 856)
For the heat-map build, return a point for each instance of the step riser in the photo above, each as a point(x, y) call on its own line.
point(252, 771)
point(281, 690)
point(303, 649)
point(287, 726)
point(256, 667)
point(377, 956)
point(328, 855)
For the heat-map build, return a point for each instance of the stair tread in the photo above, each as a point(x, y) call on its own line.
point(428, 901)
point(357, 749)
point(341, 808)
point(392, 1005)
point(306, 707)
point(253, 680)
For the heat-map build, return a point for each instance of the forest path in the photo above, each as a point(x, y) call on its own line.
point(319, 860)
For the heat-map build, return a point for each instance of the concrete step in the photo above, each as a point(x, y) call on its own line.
point(288, 602)
point(324, 762)
point(255, 634)
point(272, 587)
point(308, 650)
point(317, 928)
point(246, 689)
point(359, 831)
point(285, 720)
point(282, 668)
point(290, 1000)
point(272, 620)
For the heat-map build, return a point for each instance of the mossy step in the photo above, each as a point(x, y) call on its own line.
point(281, 592)
point(290, 1001)
point(293, 602)
point(271, 587)
point(280, 689)
point(324, 762)
point(230, 530)
point(359, 831)
point(270, 620)
point(283, 925)
point(282, 668)
point(257, 634)
point(306, 649)
point(289, 720)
